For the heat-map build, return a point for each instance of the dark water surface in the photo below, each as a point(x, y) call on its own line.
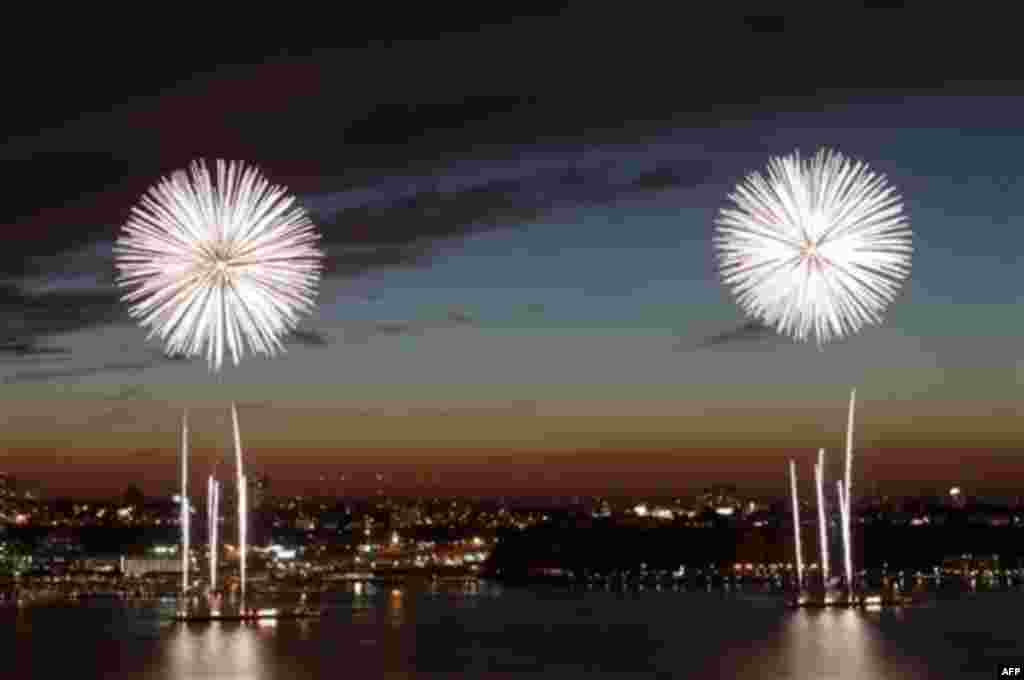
point(489, 632)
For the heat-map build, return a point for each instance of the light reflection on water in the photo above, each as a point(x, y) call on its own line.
point(446, 631)
point(214, 650)
point(818, 642)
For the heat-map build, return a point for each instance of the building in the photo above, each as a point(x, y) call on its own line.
point(142, 566)
point(101, 564)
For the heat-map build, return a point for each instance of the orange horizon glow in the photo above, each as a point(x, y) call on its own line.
point(486, 471)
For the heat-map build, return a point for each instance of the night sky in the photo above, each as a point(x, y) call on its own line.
point(520, 293)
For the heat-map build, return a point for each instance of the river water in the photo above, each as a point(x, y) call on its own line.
point(488, 632)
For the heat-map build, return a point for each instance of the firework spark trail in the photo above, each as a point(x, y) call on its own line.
point(209, 525)
point(796, 528)
point(185, 506)
point(819, 248)
point(843, 528)
point(216, 528)
point(243, 531)
point(844, 518)
point(213, 505)
point(242, 498)
point(216, 267)
point(819, 483)
point(847, 495)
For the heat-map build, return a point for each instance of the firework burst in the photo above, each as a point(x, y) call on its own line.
point(221, 266)
point(818, 248)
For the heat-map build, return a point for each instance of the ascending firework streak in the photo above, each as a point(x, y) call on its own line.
point(185, 507)
point(242, 500)
point(796, 528)
point(819, 483)
point(844, 531)
point(213, 509)
point(846, 498)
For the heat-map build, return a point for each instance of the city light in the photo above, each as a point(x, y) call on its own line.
point(282, 553)
point(471, 526)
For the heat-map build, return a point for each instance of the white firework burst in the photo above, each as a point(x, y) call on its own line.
point(820, 247)
point(215, 267)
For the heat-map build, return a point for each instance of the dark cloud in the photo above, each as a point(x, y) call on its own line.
point(403, 231)
point(33, 360)
point(126, 393)
point(125, 132)
point(361, 333)
point(58, 375)
point(749, 332)
point(308, 338)
point(667, 177)
point(345, 259)
point(29, 317)
point(407, 122)
point(30, 349)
